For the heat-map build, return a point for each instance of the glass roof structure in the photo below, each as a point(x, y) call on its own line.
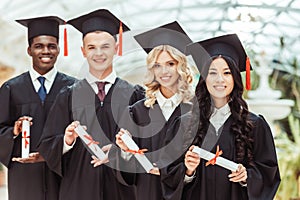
point(266, 27)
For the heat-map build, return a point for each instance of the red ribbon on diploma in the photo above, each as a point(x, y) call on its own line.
point(91, 140)
point(140, 151)
point(214, 159)
point(25, 136)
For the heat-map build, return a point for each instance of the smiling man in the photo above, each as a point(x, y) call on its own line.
point(29, 96)
point(96, 102)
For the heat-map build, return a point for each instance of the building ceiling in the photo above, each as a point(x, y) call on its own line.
point(268, 28)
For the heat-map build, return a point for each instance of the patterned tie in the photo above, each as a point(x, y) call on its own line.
point(101, 90)
point(42, 90)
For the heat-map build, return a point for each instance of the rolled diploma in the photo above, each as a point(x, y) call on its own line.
point(25, 138)
point(143, 160)
point(96, 150)
point(223, 162)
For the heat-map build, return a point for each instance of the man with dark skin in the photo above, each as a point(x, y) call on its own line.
point(21, 99)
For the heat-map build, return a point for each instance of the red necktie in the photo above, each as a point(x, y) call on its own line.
point(101, 90)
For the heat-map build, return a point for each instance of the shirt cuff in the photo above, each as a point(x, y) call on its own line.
point(188, 179)
point(67, 147)
point(243, 184)
point(126, 155)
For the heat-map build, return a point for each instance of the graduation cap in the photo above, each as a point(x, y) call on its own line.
point(48, 25)
point(42, 26)
point(100, 20)
point(226, 45)
point(169, 34)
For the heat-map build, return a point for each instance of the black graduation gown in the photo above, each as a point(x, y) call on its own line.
point(148, 127)
point(18, 98)
point(212, 182)
point(79, 102)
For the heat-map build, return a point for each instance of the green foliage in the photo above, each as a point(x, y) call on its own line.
point(288, 152)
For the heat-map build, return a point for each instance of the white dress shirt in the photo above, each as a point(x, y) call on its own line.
point(167, 105)
point(219, 116)
point(49, 79)
point(110, 79)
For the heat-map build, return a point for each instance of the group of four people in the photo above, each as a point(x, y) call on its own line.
point(165, 118)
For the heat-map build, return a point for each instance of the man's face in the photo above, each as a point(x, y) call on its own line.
point(44, 51)
point(99, 49)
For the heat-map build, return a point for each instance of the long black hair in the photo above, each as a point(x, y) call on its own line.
point(241, 126)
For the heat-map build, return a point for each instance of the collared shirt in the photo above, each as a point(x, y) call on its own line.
point(49, 78)
point(219, 116)
point(167, 105)
point(110, 79)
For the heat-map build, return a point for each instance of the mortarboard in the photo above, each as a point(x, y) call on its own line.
point(48, 25)
point(99, 20)
point(42, 26)
point(169, 34)
point(226, 45)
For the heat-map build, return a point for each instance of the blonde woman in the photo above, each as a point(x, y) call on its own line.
point(168, 94)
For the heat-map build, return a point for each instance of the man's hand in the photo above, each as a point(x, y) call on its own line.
point(33, 158)
point(70, 134)
point(18, 124)
point(97, 162)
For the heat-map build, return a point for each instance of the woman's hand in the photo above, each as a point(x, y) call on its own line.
point(119, 140)
point(191, 161)
point(240, 175)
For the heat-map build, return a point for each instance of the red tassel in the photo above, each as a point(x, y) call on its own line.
point(120, 39)
point(65, 42)
point(248, 78)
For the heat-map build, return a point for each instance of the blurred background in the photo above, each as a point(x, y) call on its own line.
point(269, 30)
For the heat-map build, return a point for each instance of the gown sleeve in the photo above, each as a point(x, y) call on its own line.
point(263, 178)
point(6, 126)
point(173, 170)
point(51, 142)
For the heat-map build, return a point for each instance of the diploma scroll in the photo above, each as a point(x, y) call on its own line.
point(223, 162)
point(143, 160)
point(90, 143)
point(25, 138)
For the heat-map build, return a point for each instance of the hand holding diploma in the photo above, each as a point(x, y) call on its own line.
point(97, 162)
point(18, 124)
point(32, 158)
point(125, 142)
point(240, 175)
point(119, 140)
point(216, 158)
point(191, 161)
point(90, 143)
point(70, 134)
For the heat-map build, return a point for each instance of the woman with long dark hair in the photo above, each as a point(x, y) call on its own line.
point(220, 119)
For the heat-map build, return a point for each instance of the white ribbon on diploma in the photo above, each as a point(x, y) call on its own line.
point(90, 143)
point(142, 159)
point(223, 162)
point(25, 138)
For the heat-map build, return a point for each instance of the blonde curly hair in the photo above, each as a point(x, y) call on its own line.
point(185, 77)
